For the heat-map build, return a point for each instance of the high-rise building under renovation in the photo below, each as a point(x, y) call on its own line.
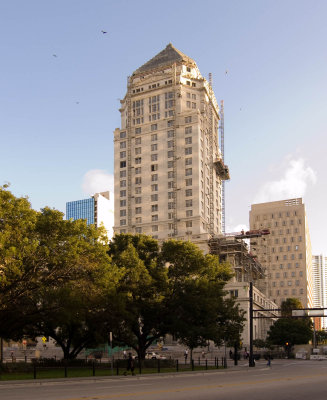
point(168, 164)
point(286, 252)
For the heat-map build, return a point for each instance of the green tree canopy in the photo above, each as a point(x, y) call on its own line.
point(288, 331)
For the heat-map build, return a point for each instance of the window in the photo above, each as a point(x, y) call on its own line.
point(188, 182)
point(188, 192)
point(188, 171)
point(170, 215)
point(189, 213)
point(170, 144)
point(154, 207)
point(188, 119)
point(188, 104)
point(138, 150)
point(188, 130)
point(123, 213)
point(123, 183)
point(194, 96)
point(154, 197)
point(170, 174)
point(138, 180)
point(193, 105)
point(138, 229)
point(170, 206)
point(122, 174)
point(188, 224)
point(154, 147)
point(170, 134)
point(137, 170)
point(138, 200)
point(170, 154)
point(123, 145)
point(170, 226)
point(170, 164)
point(154, 167)
point(122, 193)
point(188, 140)
point(123, 222)
point(154, 177)
point(122, 164)
point(138, 160)
point(138, 210)
point(188, 161)
point(138, 190)
point(154, 188)
point(154, 137)
point(154, 157)
point(170, 123)
point(154, 127)
point(155, 228)
point(171, 195)
point(154, 217)
point(122, 203)
point(170, 184)
point(188, 203)
point(122, 135)
point(122, 154)
point(188, 150)
point(138, 131)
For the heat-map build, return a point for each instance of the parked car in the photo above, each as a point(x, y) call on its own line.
point(154, 356)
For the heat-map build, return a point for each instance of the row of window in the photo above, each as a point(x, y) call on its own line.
point(287, 274)
point(286, 292)
point(286, 214)
point(155, 228)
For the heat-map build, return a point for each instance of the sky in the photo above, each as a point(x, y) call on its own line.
point(61, 80)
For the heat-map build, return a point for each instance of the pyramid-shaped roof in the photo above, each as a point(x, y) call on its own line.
point(167, 56)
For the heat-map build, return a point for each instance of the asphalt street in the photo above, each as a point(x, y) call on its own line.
point(285, 379)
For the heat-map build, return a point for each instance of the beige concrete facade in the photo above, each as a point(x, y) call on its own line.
point(168, 166)
point(286, 252)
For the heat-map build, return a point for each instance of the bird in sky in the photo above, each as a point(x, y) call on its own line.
point(104, 32)
point(226, 72)
point(54, 55)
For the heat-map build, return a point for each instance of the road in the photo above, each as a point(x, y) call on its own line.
point(286, 379)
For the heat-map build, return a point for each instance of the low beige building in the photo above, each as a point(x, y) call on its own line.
point(286, 252)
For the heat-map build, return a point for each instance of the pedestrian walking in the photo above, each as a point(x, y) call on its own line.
point(185, 355)
point(130, 364)
point(269, 360)
point(124, 354)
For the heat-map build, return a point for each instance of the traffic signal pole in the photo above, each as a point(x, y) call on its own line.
point(251, 359)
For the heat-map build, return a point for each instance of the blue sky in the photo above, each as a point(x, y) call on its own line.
point(61, 80)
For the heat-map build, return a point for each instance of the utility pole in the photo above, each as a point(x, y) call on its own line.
point(251, 359)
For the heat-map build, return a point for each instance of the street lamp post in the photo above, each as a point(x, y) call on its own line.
point(251, 359)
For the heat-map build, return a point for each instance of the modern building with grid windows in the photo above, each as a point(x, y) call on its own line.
point(319, 272)
point(96, 210)
point(168, 164)
point(286, 252)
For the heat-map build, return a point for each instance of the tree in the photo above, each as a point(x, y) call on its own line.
point(289, 305)
point(321, 337)
point(142, 289)
point(199, 309)
point(288, 331)
point(56, 277)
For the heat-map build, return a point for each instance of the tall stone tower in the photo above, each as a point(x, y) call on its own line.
point(168, 165)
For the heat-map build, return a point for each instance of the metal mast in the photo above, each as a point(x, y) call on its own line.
point(222, 138)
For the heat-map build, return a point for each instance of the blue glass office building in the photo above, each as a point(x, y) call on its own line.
point(81, 209)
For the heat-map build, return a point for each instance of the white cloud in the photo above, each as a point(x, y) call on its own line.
point(97, 180)
point(293, 184)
